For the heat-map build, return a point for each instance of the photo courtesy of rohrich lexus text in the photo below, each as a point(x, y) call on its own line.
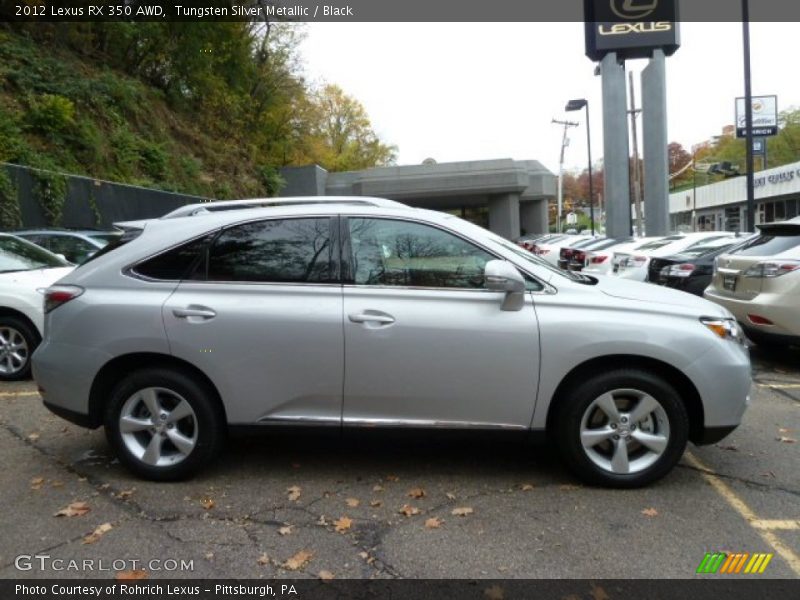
point(365, 299)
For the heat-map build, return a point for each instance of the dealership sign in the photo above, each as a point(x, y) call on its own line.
point(631, 28)
point(765, 116)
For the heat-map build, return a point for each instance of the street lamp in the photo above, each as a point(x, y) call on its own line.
point(578, 104)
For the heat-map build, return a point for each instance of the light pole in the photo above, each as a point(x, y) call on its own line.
point(578, 104)
point(748, 111)
point(564, 143)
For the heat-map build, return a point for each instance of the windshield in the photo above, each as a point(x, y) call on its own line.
point(656, 244)
point(706, 247)
point(105, 238)
point(19, 255)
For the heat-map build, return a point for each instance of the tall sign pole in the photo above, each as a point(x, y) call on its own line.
point(748, 111)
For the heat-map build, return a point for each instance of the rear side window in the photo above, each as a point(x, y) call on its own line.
point(127, 236)
point(174, 264)
point(273, 251)
point(769, 245)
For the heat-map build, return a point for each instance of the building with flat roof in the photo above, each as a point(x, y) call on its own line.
point(506, 196)
point(722, 205)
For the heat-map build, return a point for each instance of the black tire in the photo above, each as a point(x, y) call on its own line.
point(208, 418)
point(577, 400)
point(32, 341)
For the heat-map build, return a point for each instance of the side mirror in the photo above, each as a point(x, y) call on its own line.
point(502, 276)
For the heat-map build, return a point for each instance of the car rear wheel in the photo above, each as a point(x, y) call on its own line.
point(18, 340)
point(624, 428)
point(163, 424)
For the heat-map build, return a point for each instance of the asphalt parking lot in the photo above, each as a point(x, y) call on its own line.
point(297, 506)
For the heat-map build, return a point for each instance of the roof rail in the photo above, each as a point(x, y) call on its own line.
point(221, 205)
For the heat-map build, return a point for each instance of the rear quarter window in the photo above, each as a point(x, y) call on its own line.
point(769, 245)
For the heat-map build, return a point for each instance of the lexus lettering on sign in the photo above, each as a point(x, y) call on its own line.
point(765, 116)
point(631, 28)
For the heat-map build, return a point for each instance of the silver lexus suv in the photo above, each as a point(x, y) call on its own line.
point(351, 312)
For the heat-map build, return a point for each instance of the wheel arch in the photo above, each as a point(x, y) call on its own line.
point(7, 311)
point(110, 374)
point(672, 375)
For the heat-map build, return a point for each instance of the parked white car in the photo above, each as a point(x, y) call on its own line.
point(550, 251)
point(25, 270)
point(598, 262)
point(634, 264)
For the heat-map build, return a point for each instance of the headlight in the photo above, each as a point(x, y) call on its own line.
point(727, 329)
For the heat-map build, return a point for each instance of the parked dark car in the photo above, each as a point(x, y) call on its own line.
point(692, 270)
point(74, 245)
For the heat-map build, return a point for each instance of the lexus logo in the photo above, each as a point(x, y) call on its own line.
point(633, 9)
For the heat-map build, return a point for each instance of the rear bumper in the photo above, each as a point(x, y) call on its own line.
point(780, 309)
point(77, 418)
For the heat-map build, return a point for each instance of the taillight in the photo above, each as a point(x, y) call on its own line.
point(596, 260)
point(772, 269)
point(579, 256)
point(539, 251)
point(56, 295)
point(637, 261)
point(682, 270)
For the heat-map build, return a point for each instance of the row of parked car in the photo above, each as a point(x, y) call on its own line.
point(30, 261)
point(755, 276)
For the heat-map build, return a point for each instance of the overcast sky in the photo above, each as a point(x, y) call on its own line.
point(470, 91)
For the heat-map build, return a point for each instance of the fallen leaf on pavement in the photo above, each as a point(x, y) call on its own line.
point(784, 430)
point(298, 561)
point(208, 503)
point(342, 524)
point(97, 533)
point(568, 486)
point(294, 493)
point(363, 555)
point(377, 488)
point(376, 503)
point(263, 559)
point(57, 484)
point(526, 487)
point(408, 510)
point(450, 496)
point(786, 440)
point(416, 493)
point(285, 530)
point(392, 478)
point(209, 556)
point(650, 512)
point(732, 447)
point(131, 575)
point(76, 509)
point(433, 523)
point(462, 511)
point(353, 502)
point(325, 575)
point(599, 593)
point(37, 483)
point(494, 593)
point(125, 494)
point(33, 437)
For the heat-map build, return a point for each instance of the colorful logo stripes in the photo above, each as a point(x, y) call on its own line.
point(734, 563)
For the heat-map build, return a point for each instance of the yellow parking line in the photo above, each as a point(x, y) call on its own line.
point(739, 505)
point(781, 386)
point(17, 394)
point(776, 523)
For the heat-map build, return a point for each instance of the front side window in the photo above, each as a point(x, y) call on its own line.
point(20, 255)
point(274, 251)
point(402, 253)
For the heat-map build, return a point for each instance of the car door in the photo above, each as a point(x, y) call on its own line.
point(425, 343)
point(262, 317)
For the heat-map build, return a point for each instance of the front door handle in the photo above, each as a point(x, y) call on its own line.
point(188, 312)
point(371, 316)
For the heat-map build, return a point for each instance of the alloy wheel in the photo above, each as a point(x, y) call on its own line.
point(14, 351)
point(624, 431)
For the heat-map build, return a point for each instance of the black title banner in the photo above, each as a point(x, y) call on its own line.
point(54, 11)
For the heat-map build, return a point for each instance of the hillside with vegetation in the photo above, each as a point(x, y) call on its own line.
point(213, 109)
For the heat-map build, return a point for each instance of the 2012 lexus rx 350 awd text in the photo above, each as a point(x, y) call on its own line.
point(349, 312)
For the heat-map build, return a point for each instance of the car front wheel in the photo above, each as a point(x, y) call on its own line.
point(163, 424)
point(625, 428)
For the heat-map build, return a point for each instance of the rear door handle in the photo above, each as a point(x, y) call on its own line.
point(201, 313)
point(371, 317)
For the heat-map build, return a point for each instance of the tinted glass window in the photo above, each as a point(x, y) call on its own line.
point(74, 249)
point(401, 253)
point(282, 251)
point(769, 245)
point(21, 255)
point(174, 264)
